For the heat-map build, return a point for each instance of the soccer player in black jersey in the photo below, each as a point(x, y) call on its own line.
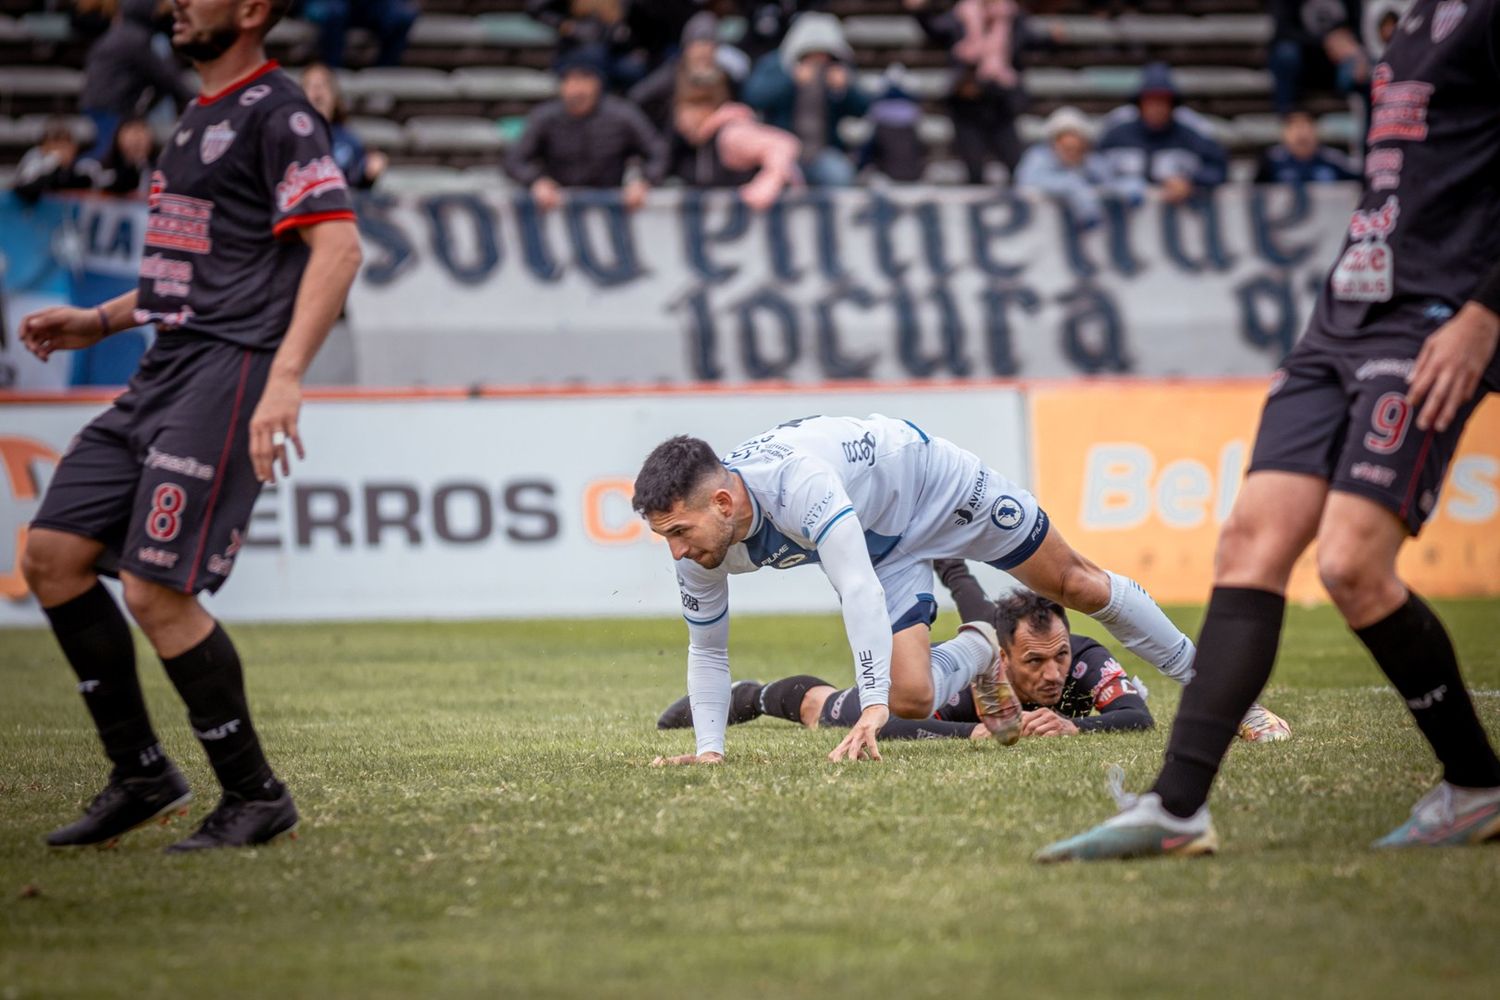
point(250, 250)
point(1067, 684)
point(1360, 424)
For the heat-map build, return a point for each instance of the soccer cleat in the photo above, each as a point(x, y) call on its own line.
point(999, 708)
point(1261, 725)
point(242, 822)
point(743, 707)
point(1142, 828)
point(1449, 816)
point(124, 804)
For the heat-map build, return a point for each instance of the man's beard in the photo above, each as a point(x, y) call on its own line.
point(207, 46)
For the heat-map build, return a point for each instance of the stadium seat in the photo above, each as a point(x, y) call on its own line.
point(515, 31)
point(444, 132)
point(379, 133)
point(376, 90)
point(446, 30)
point(877, 32)
point(505, 84)
point(46, 27)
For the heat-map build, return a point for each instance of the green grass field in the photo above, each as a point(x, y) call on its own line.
point(479, 820)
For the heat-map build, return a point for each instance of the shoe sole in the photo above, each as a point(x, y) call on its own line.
point(162, 817)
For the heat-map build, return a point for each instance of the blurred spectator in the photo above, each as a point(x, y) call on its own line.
point(807, 87)
point(1065, 166)
point(767, 21)
point(599, 26)
point(700, 52)
point(1156, 141)
point(1381, 20)
point(984, 39)
point(361, 167)
point(51, 165)
point(90, 19)
point(123, 76)
point(1315, 43)
point(718, 143)
point(125, 170)
point(389, 20)
point(585, 138)
point(895, 147)
point(1298, 159)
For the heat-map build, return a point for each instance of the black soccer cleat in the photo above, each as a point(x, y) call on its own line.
point(744, 705)
point(124, 804)
point(242, 822)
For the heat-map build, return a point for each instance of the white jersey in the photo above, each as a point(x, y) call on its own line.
point(872, 500)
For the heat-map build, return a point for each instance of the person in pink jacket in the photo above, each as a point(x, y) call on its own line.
point(718, 143)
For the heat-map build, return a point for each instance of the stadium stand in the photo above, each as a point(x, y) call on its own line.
point(475, 67)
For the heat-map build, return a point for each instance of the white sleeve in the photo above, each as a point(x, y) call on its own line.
point(846, 561)
point(705, 607)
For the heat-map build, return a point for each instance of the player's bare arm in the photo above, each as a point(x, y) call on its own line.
point(70, 328)
point(334, 261)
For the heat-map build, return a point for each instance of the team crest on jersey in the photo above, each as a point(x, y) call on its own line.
point(215, 142)
point(254, 94)
point(1007, 513)
point(1446, 18)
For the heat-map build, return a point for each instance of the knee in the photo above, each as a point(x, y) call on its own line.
point(911, 704)
point(1347, 573)
point(150, 604)
point(1082, 586)
point(1253, 549)
point(47, 564)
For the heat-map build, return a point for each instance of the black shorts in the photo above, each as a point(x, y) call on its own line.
point(1338, 410)
point(163, 477)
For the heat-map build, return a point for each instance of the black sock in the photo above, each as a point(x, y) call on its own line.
point(1236, 651)
point(96, 640)
point(209, 679)
point(1414, 651)
point(783, 698)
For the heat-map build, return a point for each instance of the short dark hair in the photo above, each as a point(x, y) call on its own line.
point(673, 471)
point(1025, 606)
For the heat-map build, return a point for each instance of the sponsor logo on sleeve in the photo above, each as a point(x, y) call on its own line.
point(302, 182)
point(301, 123)
point(1446, 17)
point(860, 451)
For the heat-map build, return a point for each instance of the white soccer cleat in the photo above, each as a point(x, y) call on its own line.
point(1261, 725)
point(1141, 829)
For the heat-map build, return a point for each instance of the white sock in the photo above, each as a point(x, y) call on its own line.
point(1133, 617)
point(956, 663)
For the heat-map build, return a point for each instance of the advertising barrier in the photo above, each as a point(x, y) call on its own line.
point(1142, 477)
point(486, 507)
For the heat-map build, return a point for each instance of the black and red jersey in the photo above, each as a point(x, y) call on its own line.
point(1427, 228)
point(242, 170)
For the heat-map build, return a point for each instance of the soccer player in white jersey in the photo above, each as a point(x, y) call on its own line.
point(873, 501)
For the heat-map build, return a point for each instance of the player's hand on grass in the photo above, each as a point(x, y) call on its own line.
point(61, 328)
point(860, 743)
point(1045, 722)
point(1450, 365)
point(689, 758)
point(273, 426)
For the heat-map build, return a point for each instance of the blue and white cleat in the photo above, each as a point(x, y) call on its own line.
point(1449, 816)
point(1141, 829)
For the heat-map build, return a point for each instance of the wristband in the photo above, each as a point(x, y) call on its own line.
point(103, 321)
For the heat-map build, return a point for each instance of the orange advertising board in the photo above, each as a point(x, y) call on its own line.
point(1139, 477)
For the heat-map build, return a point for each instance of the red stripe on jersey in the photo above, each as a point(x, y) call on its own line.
point(213, 493)
point(311, 219)
point(206, 99)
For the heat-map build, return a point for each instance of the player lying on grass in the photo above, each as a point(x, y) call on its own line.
point(873, 501)
point(1061, 680)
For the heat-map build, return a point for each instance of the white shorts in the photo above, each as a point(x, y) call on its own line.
point(966, 511)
